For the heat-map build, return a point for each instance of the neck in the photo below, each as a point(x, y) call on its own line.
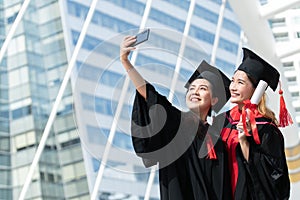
point(202, 115)
point(240, 105)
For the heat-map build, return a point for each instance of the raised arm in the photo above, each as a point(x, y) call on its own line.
point(134, 75)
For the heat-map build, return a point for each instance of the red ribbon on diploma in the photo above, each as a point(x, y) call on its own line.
point(251, 110)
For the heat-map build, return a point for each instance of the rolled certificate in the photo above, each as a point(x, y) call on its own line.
point(259, 91)
point(249, 117)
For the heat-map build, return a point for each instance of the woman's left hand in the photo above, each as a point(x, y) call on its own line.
point(243, 139)
point(241, 131)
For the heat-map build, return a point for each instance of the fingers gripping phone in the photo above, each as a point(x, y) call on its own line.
point(141, 37)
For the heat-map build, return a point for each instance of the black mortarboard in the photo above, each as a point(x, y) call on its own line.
point(219, 81)
point(259, 69)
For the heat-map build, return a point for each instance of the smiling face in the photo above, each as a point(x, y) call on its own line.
point(199, 97)
point(240, 88)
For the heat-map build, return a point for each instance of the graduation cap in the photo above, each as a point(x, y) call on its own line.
point(259, 69)
point(219, 81)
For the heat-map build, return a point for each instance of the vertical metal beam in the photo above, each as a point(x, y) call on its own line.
point(58, 100)
point(217, 34)
point(13, 28)
point(150, 182)
point(118, 112)
point(181, 49)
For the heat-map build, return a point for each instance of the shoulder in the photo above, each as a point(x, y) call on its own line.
point(219, 121)
point(268, 129)
point(266, 124)
point(221, 116)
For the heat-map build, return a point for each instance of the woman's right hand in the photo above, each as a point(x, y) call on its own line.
point(135, 77)
point(125, 47)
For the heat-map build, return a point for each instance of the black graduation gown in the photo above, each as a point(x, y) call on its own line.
point(163, 134)
point(265, 174)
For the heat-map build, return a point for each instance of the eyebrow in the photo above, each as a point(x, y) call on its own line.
point(239, 79)
point(193, 85)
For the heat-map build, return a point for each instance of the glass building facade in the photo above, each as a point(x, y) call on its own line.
point(31, 73)
point(99, 79)
point(89, 142)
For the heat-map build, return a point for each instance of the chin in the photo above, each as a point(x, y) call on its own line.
point(234, 100)
point(193, 107)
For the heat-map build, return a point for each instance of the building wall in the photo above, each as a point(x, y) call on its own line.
point(99, 77)
point(31, 74)
point(286, 30)
point(32, 71)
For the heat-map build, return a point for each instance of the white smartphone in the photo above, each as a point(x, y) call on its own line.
point(141, 37)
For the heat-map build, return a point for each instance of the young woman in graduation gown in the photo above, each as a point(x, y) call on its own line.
point(189, 152)
point(255, 146)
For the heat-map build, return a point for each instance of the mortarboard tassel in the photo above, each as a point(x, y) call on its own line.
point(285, 118)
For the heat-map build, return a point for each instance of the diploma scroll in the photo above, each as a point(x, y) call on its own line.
point(257, 95)
point(247, 116)
point(259, 91)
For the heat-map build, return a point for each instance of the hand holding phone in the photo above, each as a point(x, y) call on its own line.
point(141, 37)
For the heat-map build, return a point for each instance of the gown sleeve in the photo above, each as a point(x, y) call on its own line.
point(154, 123)
point(267, 167)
